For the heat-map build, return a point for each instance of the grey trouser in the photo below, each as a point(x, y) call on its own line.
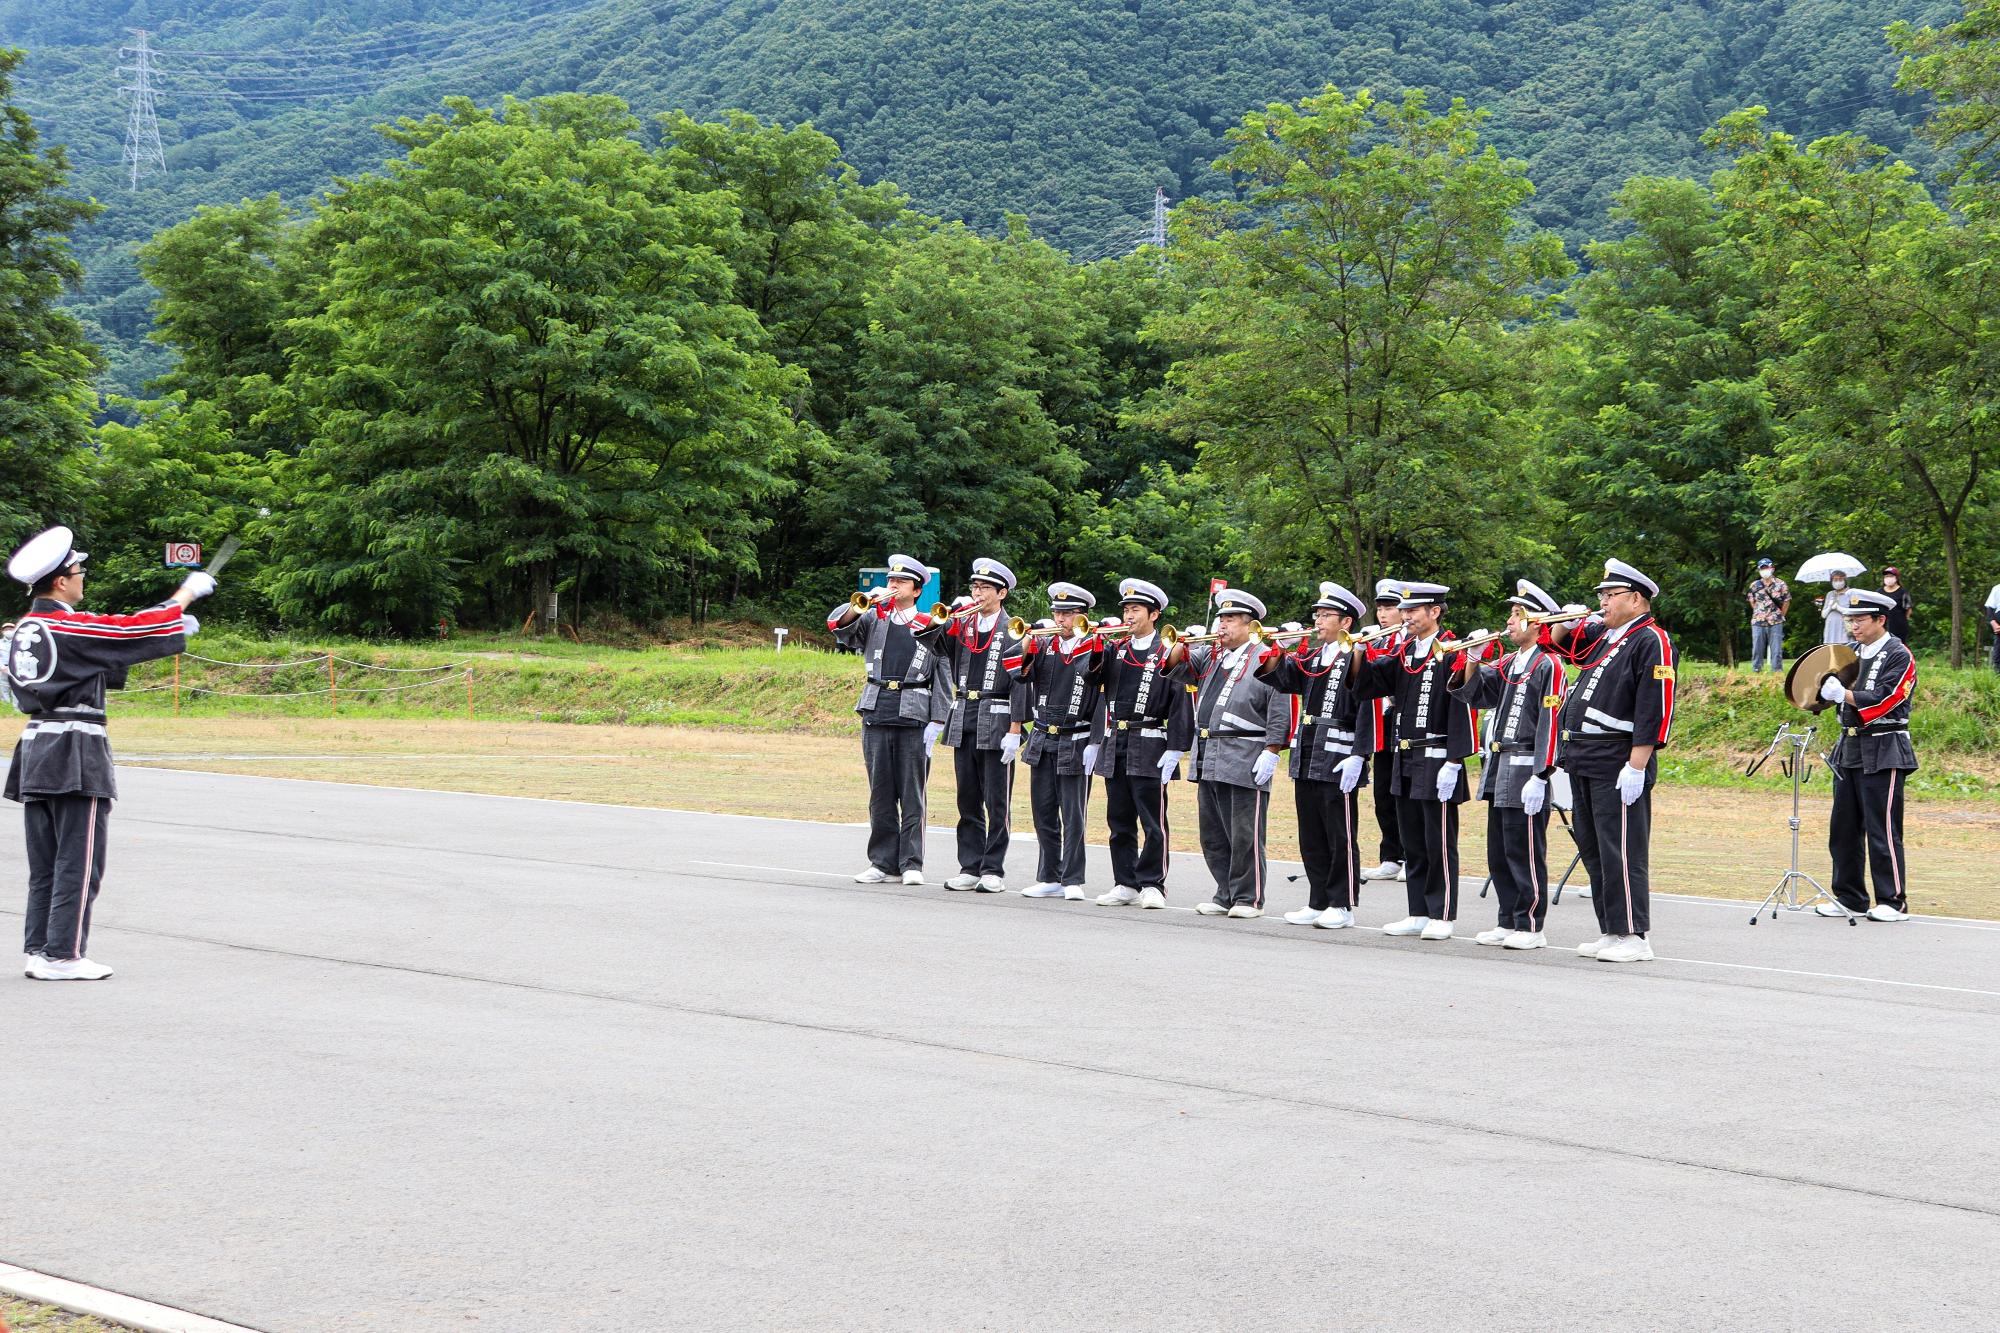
point(897, 768)
point(1060, 802)
point(985, 789)
point(1232, 840)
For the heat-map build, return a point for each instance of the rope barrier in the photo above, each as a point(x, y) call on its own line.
point(300, 694)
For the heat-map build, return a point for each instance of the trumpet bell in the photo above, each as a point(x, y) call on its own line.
point(859, 601)
point(1018, 627)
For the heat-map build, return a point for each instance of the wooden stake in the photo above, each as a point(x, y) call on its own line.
point(332, 689)
point(468, 694)
point(177, 684)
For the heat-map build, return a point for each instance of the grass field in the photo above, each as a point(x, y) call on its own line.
point(26, 1317)
point(1725, 842)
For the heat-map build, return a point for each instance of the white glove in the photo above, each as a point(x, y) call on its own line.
point(1631, 783)
point(1010, 748)
point(1573, 607)
point(1448, 780)
point(1535, 795)
point(1267, 764)
point(1169, 760)
point(1292, 627)
point(1832, 690)
point(932, 730)
point(1090, 758)
point(189, 625)
point(200, 582)
point(1194, 631)
point(1350, 772)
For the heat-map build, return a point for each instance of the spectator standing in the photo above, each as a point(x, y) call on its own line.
point(1899, 615)
point(1769, 600)
point(1993, 622)
point(1833, 606)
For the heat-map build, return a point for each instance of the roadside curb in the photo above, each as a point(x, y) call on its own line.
point(129, 1310)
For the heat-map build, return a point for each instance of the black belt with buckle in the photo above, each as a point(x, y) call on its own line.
point(1208, 734)
point(1871, 730)
point(1419, 742)
point(1048, 730)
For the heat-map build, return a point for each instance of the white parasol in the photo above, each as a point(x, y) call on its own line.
point(1822, 567)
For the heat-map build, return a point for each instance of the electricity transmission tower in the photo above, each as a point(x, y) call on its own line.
point(142, 127)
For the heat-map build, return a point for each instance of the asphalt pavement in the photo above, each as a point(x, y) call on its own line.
point(403, 1060)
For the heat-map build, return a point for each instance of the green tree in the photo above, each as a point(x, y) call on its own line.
point(1959, 65)
point(1881, 316)
point(177, 475)
point(810, 244)
point(46, 364)
point(1660, 404)
point(228, 279)
point(971, 380)
point(528, 364)
point(1346, 361)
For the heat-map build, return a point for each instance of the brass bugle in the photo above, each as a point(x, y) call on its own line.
point(1494, 636)
point(860, 601)
point(939, 611)
point(1021, 629)
point(1256, 632)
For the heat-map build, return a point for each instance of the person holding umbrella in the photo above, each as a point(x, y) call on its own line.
point(1836, 568)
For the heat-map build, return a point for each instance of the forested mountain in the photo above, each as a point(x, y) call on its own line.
point(1069, 113)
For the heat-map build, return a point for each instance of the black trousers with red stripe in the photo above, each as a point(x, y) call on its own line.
point(1430, 856)
point(1616, 842)
point(985, 793)
point(1329, 843)
point(1867, 824)
point(1135, 808)
point(66, 837)
point(1233, 821)
point(1517, 858)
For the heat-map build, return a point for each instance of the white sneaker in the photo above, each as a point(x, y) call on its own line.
point(1387, 870)
point(1119, 897)
point(870, 876)
point(28, 961)
point(1335, 918)
point(1211, 908)
point(1626, 949)
point(1074, 893)
point(992, 884)
point(1152, 897)
point(1589, 948)
point(1042, 891)
point(962, 881)
point(1580, 890)
point(1525, 939)
point(913, 877)
point(1497, 935)
point(1884, 912)
point(1305, 916)
point(1245, 911)
point(1409, 925)
point(1830, 909)
point(68, 969)
point(1436, 930)
point(1402, 873)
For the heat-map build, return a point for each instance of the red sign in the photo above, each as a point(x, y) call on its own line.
point(1216, 585)
point(183, 555)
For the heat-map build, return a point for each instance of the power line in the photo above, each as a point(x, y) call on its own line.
point(142, 127)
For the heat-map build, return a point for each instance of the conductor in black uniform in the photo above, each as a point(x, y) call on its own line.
point(58, 662)
point(1869, 764)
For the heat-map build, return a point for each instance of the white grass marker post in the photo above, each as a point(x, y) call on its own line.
point(781, 632)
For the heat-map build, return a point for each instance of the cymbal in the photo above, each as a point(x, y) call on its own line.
point(1814, 665)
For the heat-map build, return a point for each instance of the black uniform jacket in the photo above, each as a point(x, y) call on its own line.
point(1623, 696)
point(983, 665)
point(1146, 714)
point(1334, 723)
point(1875, 728)
point(59, 662)
point(1056, 699)
point(1430, 729)
point(1524, 692)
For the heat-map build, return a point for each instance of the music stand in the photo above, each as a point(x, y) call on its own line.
point(1785, 893)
